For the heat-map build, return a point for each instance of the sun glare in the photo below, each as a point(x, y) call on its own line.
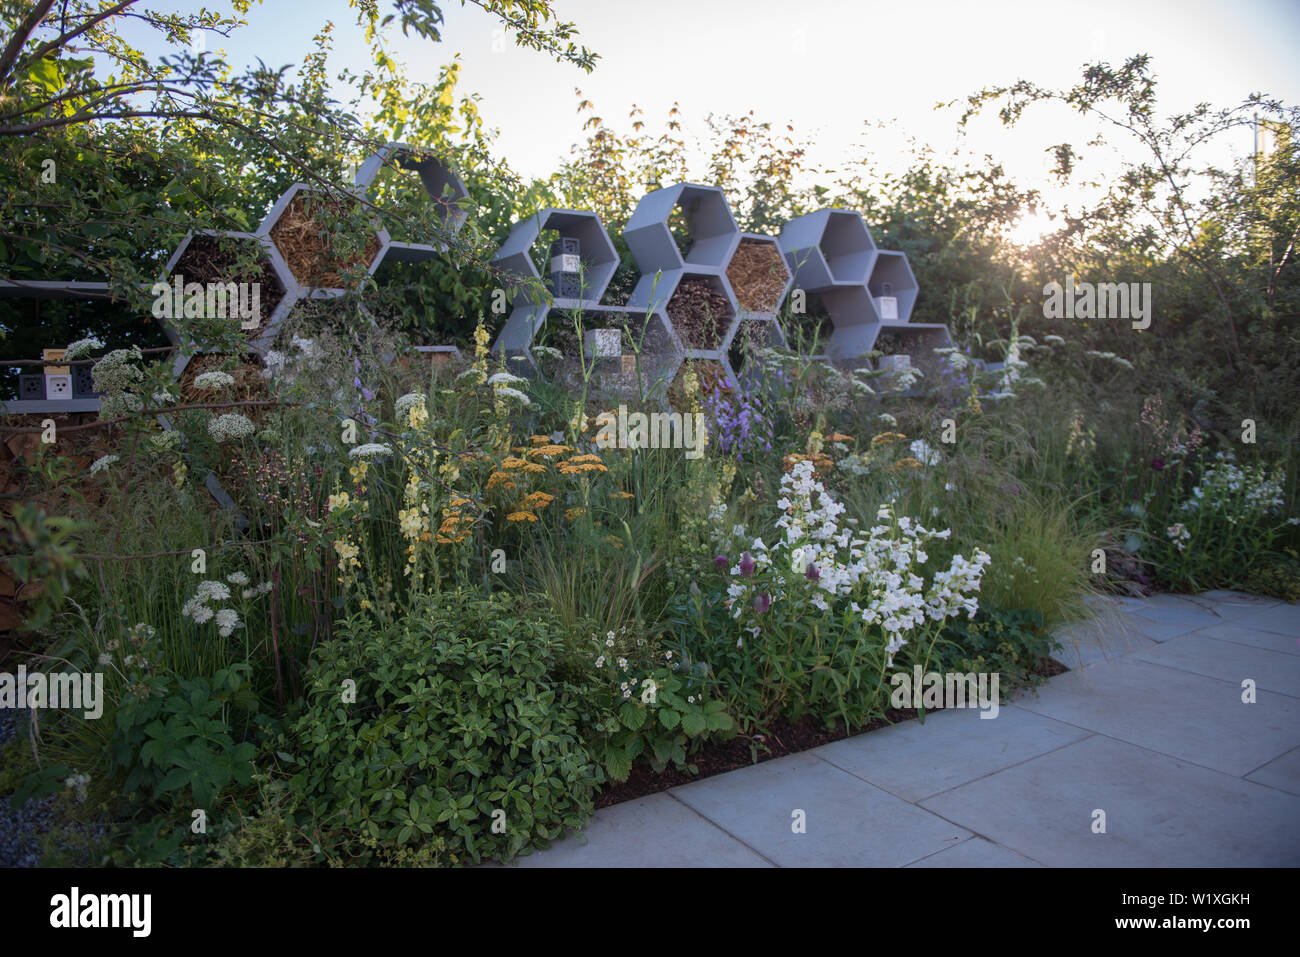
point(1030, 228)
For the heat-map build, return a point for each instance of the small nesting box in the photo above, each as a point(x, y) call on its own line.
point(565, 273)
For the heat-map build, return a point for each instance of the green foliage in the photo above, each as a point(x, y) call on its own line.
point(456, 717)
point(179, 742)
point(644, 707)
point(1009, 642)
point(39, 550)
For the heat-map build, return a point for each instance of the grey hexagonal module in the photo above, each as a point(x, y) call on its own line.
point(758, 274)
point(852, 315)
point(306, 246)
point(207, 256)
point(598, 259)
point(713, 233)
point(753, 334)
point(440, 182)
point(828, 248)
point(702, 310)
point(892, 278)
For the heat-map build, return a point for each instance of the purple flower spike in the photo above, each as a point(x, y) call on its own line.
point(746, 565)
point(812, 574)
point(762, 603)
point(721, 561)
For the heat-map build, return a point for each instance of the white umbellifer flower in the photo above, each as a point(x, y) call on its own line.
point(201, 614)
point(80, 348)
point(548, 352)
point(209, 381)
point(505, 391)
point(101, 463)
point(370, 450)
point(232, 425)
point(406, 403)
point(106, 659)
point(227, 622)
point(476, 374)
point(306, 346)
point(504, 379)
point(237, 578)
point(212, 591)
point(275, 363)
point(1054, 340)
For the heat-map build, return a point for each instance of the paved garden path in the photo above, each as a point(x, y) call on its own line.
point(1149, 727)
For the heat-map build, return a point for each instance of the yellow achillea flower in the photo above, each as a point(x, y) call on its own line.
point(457, 502)
point(821, 462)
point(499, 479)
point(538, 500)
point(885, 437)
point(548, 450)
point(511, 462)
point(839, 437)
point(584, 458)
point(572, 513)
point(621, 495)
point(907, 463)
point(568, 468)
point(521, 517)
point(539, 439)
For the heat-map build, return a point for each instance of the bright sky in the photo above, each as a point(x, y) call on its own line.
point(830, 66)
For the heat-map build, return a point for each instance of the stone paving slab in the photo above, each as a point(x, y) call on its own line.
point(850, 823)
point(1204, 655)
point(976, 852)
point(1160, 812)
point(1282, 773)
point(914, 760)
point(1185, 715)
point(1282, 619)
point(653, 831)
point(1111, 636)
point(1179, 610)
point(1283, 644)
point(1238, 599)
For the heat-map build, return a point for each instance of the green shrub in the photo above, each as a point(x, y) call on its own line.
point(455, 717)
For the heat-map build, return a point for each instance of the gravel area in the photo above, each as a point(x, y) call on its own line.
point(20, 827)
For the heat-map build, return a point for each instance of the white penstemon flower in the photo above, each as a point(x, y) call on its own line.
point(875, 575)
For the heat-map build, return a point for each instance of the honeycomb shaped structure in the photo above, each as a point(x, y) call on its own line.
point(300, 234)
point(439, 180)
point(892, 277)
point(828, 248)
point(209, 256)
